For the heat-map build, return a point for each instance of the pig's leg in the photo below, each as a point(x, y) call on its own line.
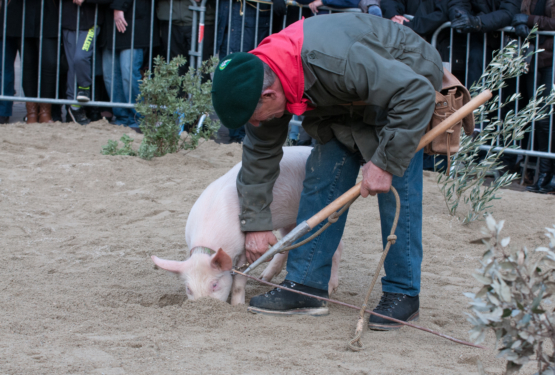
point(277, 264)
point(334, 278)
point(239, 282)
point(275, 267)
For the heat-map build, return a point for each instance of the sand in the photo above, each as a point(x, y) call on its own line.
point(79, 294)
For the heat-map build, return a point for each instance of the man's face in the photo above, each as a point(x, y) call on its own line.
point(273, 105)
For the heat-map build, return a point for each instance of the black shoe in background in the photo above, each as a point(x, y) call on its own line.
point(4, 119)
point(394, 305)
point(79, 115)
point(56, 112)
point(548, 188)
point(282, 302)
point(93, 113)
point(543, 179)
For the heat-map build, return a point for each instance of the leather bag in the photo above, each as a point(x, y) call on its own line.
point(452, 97)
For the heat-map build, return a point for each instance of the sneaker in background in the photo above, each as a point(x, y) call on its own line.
point(84, 94)
point(78, 114)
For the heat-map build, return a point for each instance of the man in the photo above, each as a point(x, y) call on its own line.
point(321, 67)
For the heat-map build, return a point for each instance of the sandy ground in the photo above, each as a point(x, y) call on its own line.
point(79, 294)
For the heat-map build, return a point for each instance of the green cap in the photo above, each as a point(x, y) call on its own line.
point(236, 88)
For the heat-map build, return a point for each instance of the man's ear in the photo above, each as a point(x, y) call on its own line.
point(269, 94)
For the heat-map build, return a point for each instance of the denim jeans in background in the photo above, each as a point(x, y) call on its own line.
point(122, 69)
point(331, 170)
point(12, 45)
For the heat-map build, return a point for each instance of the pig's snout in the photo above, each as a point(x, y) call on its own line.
point(203, 275)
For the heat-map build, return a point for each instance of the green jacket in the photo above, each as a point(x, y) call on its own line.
point(361, 58)
point(182, 15)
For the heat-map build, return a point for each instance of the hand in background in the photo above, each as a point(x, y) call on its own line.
point(399, 19)
point(315, 5)
point(520, 23)
point(78, 2)
point(119, 19)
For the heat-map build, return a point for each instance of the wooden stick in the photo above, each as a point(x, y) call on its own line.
point(353, 192)
point(358, 308)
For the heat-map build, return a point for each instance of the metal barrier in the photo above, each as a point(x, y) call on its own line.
point(247, 8)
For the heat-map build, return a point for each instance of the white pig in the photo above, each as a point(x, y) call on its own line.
point(215, 239)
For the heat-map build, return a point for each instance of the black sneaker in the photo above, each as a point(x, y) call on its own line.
point(4, 119)
point(84, 94)
point(79, 115)
point(395, 305)
point(282, 302)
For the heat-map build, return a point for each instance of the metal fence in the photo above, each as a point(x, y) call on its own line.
point(261, 9)
point(528, 146)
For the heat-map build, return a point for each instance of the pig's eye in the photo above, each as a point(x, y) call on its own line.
point(189, 290)
point(214, 286)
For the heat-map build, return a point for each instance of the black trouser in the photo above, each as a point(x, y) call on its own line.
point(541, 128)
point(180, 44)
point(31, 67)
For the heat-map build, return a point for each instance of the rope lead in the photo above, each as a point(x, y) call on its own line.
point(355, 344)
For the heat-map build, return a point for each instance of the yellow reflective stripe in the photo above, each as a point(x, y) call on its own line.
point(88, 39)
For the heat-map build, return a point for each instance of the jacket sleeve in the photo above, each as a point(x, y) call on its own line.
point(461, 5)
point(262, 152)
point(401, 103)
point(124, 5)
point(501, 17)
point(544, 23)
point(341, 3)
point(428, 18)
point(392, 8)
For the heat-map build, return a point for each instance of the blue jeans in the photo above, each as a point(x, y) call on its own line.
point(121, 92)
point(331, 170)
point(12, 45)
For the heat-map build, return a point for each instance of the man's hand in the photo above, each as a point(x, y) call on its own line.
point(374, 180)
point(78, 2)
point(257, 243)
point(119, 19)
point(315, 5)
point(399, 19)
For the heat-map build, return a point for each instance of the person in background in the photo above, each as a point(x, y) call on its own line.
point(122, 61)
point(314, 5)
point(542, 13)
point(429, 15)
point(35, 52)
point(13, 41)
point(478, 17)
point(181, 30)
point(79, 46)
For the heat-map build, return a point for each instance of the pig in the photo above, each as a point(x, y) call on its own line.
point(214, 237)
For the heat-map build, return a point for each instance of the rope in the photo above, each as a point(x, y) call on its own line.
point(355, 344)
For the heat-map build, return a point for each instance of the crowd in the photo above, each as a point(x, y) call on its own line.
point(120, 34)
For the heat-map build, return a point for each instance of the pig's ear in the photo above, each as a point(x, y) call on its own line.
point(169, 265)
point(221, 261)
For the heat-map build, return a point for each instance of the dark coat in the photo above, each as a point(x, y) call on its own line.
point(429, 15)
point(494, 14)
point(32, 18)
point(87, 12)
point(142, 24)
point(386, 65)
point(546, 23)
